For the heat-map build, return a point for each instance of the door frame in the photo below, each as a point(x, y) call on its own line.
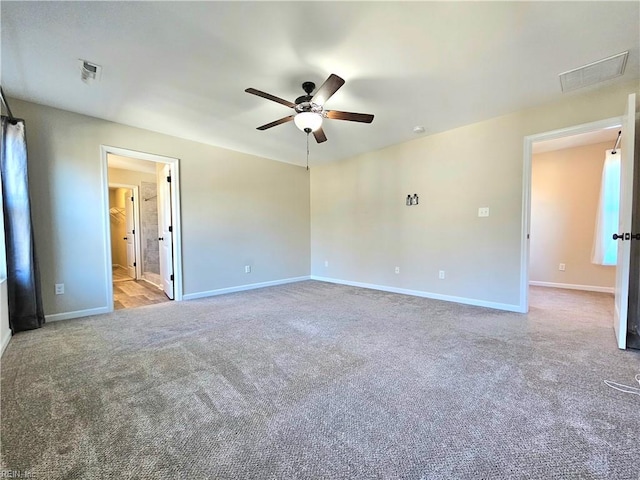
point(529, 140)
point(105, 150)
point(136, 224)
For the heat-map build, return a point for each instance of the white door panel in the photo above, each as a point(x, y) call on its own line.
point(624, 224)
point(165, 234)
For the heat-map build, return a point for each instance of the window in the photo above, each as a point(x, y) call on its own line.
point(605, 248)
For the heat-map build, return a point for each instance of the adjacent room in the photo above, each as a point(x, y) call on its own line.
point(135, 214)
point(320, 240)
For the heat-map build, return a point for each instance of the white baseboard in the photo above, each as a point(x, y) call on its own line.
point(241, 288)
point(570, 286)
point(55, 317)
point(5, 341)
point(150, 282)
point(420, 293)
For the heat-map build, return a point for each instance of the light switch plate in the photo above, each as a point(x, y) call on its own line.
point(483, 212)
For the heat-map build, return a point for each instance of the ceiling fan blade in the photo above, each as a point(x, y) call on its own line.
point(328, 88)
point(277, 122)
point(268, 96)
point(352, 117)
point(320, 136)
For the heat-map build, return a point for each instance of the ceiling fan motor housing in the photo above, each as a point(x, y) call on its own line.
point(303, 99)
point(308, 87)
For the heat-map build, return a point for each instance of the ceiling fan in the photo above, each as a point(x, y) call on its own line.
point(309, 109)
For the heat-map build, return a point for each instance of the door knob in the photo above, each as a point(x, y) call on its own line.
point(626, 236)
point(125, 238)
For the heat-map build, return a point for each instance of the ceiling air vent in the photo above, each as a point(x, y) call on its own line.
point(593, 73)
point(89, 72)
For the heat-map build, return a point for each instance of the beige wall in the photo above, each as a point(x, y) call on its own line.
point(565, 188)
point(361, 226)
point(237, 209)
point(5, 329)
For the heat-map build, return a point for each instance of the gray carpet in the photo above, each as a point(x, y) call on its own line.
point(320, 381)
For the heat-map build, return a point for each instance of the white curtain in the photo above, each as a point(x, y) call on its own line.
point(605, 248)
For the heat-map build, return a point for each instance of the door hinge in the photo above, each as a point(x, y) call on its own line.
point(132, 199)
point(172, 277)
point(133, 231)
point(134, 264)
point(170, 228)
point(169, 179)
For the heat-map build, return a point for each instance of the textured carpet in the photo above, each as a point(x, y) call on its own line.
point(320, 381)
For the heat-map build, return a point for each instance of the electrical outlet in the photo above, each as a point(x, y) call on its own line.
point(562, 267)
point(59, 288)
point(326, 263)
point(247, 269)
point(483, 212)
point(397, 269)
point(441, 274)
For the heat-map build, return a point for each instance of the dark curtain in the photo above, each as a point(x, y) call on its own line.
point(23, 282)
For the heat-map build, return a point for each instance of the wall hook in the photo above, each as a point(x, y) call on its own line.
point(412, 200)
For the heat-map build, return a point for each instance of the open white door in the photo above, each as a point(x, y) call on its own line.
point(165, 234)
point(130, 238)
point(624, 224)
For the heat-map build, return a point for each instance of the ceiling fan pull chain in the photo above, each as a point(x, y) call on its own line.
point(308, 151)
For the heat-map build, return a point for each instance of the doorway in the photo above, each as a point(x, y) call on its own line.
point(136, 279)
point(621, 168)
point(602, 131)
point(124, 216)
point(611, 125)
point(568, 265)
point(566, 181)
point(143, 215)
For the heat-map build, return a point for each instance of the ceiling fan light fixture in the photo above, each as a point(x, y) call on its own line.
point(309, 109)
point(310, 120)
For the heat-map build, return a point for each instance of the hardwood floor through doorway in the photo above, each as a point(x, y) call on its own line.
point(130, 293)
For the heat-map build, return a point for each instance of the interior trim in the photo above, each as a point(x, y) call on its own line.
point(242, 288)
point(419, 293)
point(56, 317)
point(571, 286)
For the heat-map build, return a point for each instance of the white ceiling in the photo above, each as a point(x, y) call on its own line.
point(126, 163)
point(181, 67)
point(607, 135)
